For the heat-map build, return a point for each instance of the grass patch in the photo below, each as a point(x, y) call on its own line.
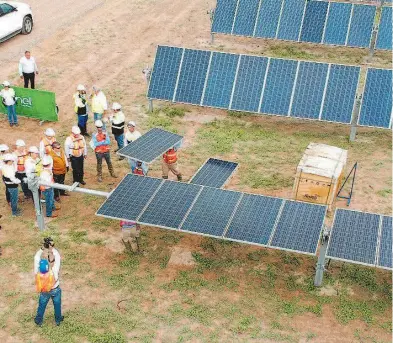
point(273, 181)
point(291, 51)
point(385, 192)
point(186, 281)
point(172, 112)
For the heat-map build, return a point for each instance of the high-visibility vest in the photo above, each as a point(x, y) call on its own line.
point(102, 148)
point(59, 162)
point(48, 144)
point(79, 146)
point(138, 171)
point(44, 282)
point(170, 156)
point(20, 163)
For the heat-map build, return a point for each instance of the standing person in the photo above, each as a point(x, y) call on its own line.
point(47, 260)
point(33, 163)
point(131, 135)
point(99, 105)
point(76, 152)
point(169, 163)
point(139, 168)
point(8, 98)
point(47, 141)
point(101, 145)
point(47, 177)
point(118, 120)
point(81, 109)
point(28, 69)
point(21, 155)
point(3, 150)
point(60, 168)
point(11, 182)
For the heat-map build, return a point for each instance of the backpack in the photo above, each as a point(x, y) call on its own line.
point(44, 279)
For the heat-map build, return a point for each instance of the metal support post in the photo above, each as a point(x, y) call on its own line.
point(33, 185)
point(349, 197)
point(211, 14)
point(321, 258)
point(355, 118)
point(147, 74)
point(150, 106)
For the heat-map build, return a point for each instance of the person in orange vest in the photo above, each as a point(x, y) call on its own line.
point(75, 149)
point(60, 168)
point(139, 168)
point(169, 163)
point(21, 155)
point(47, 177)
point(101, 145)
point(47, 141)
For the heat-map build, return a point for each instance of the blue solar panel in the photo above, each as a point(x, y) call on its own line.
point(224, 16)
point(291, 19)
point(384, 39)
point(299, 227)
point(211, 212)
point(249, 83)
point(361, 26)
point(376, 107)
point(314, 21)
point(337, 23)
point(220, 82)
point(340, 93)
point(214, 173)
point(170, 204)
point(192, 76)
point(254, 219)
point(309, 90)
point(354, 236)
point(246, 16)
point(129, 197)
point(268, 17)
point(385, 248)
point(278, 88)
point(165, 70)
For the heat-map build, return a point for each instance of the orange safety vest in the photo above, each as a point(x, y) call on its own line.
point(48, 144)
point(79, 146)
point(20, 164)
point(103, 148)
point(170, 156)
point(138, 171)
point(59, 163)
point(44, 282)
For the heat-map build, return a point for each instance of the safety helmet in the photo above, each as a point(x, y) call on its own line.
point(46, 161)
point(116, 106)
point(6, 84)
point(4, 147)
point(98, 123)
point(34, 150)
point(50, 132)
point(131, 123)
point(80, 87)
point(20, 143)
point(44, 266)
point(76, 130)
point(9, 157)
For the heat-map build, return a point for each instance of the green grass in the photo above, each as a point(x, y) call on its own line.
point(385, 192)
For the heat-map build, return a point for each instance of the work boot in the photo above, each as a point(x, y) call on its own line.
point(111, 171)
point(179, 177)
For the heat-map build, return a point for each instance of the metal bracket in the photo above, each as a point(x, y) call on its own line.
point(349, 197)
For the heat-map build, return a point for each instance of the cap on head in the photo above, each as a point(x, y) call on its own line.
point(8, 157)
point(34, 150)
point(44, 266)
point(46, 161)
point(131, 123)
point(116, 106)
point(20, 143)
point(98, 123)
point(80, 87)
point(6, 84)
point(50, 132)
point(4, 147)
point(76, 130)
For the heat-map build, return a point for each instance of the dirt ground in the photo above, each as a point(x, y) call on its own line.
point(108, 43)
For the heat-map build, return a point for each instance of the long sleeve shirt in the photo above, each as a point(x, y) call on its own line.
point(131, 136)
point(33, 166)
point(8, 171)
point(8, 96)
point(99, 103)
point(46, 176)
point(27, 65)
point(55, 268)
point(69, 146)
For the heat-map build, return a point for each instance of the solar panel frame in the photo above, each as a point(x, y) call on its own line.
point(231, 12)
point(265, 14)
point(296, 14)
point(312, 30)
point(384, 35)
point(246, 16)
point(334, 15)
point(385, 244)
point(357, 34)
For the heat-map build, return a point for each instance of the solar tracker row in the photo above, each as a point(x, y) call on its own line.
point(298, 20)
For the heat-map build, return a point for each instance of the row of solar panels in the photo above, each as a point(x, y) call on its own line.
point(323, 22)
point(247, 218)
point(282, 87)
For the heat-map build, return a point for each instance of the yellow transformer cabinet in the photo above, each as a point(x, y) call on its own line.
point(319, 174)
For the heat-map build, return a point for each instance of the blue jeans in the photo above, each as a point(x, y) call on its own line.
point(12, 118)
point(120, 140)
point(55, 294)
point(98, 116)
point(14, 200)
point(49, 201)
point(82, 121)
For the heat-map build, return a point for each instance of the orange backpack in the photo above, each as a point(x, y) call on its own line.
point(44, 282)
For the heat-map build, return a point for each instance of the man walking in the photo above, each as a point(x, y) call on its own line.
point(60, 168)
point(118, 121)
point(47, 260)
point(169, 163)
point(21, 155)
point(76, 152)
point(11, 182)
point(47, 141)
point(28, 69)
point(101, 145)
point(47, 177)
point(7, 95)
point(99, 105)
point(81, 109)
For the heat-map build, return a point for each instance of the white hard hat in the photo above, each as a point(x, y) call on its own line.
point(20, 142)
point(98, 123)
point(34, 150)
point(4, 147)
point(116, 106)
point(46, 161)
point(131, 123)
point(50, 132)
point(80, 87)
point(9, 157)
point(6, 84)
point(76, 130)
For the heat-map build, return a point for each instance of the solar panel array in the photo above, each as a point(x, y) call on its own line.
point(214, 173)
point(384, 38)
point(256, 84)
point(152, 144)
point(359, 237)
point(236, 216)
point(323, 22)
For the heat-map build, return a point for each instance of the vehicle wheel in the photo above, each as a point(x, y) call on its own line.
point(27, 25)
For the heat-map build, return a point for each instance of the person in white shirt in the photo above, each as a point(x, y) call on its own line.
point(48, 252)
point(7, 95)
point(47, 141)
point(3, 150)
point(33, 163)
point(99, 105)
point(75, 150)
point(47, 177)
point(11, 182)
point(28, 69)
point(131, 135)
point(118, 120)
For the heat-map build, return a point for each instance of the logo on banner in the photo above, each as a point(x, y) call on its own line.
point(25, 101)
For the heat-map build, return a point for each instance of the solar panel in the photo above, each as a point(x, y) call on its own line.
point(385, 248)
point(249, 83)
point(309, 90)
point(224, 16)
point(299, 227)
point(362, 21)
point(150, 145)
point(314, 21)
point(246, 16)
point(384, 38)
point(211, 212)
point(376, 108)
point(214, 173)
point(268, 18)
point(337, 23)
point(170, 204)
point(220, 80)
point(340, 93)
point(129, 198)
point(254, 219)
point(354, 237)
point(291, 19)
point(164, 75)
point(192, 76)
